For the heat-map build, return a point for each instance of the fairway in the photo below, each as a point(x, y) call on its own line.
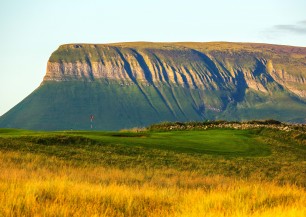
point(217, 142)
point(223, 142)
point(228, 142)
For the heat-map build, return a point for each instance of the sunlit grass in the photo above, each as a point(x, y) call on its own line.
point(98, 191)
point(115, 178)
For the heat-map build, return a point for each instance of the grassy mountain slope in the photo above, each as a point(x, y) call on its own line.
point(68, 105)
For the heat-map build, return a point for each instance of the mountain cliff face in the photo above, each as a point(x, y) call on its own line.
point(212, 66)
point(135, 84)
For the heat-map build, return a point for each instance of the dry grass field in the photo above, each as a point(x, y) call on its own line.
point(106, 174)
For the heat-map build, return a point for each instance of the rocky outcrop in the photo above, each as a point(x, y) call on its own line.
point(292, 82)
point(208, 66)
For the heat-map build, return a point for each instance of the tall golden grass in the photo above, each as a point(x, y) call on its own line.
point(37, 185)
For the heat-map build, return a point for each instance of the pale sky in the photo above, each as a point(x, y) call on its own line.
point(30, 30)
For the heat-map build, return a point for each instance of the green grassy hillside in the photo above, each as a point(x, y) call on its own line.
point(68, 105)
point(266, 152)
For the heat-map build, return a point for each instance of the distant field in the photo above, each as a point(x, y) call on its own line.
point(215, 172)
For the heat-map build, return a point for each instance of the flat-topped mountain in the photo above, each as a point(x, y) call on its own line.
point(135, 84)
